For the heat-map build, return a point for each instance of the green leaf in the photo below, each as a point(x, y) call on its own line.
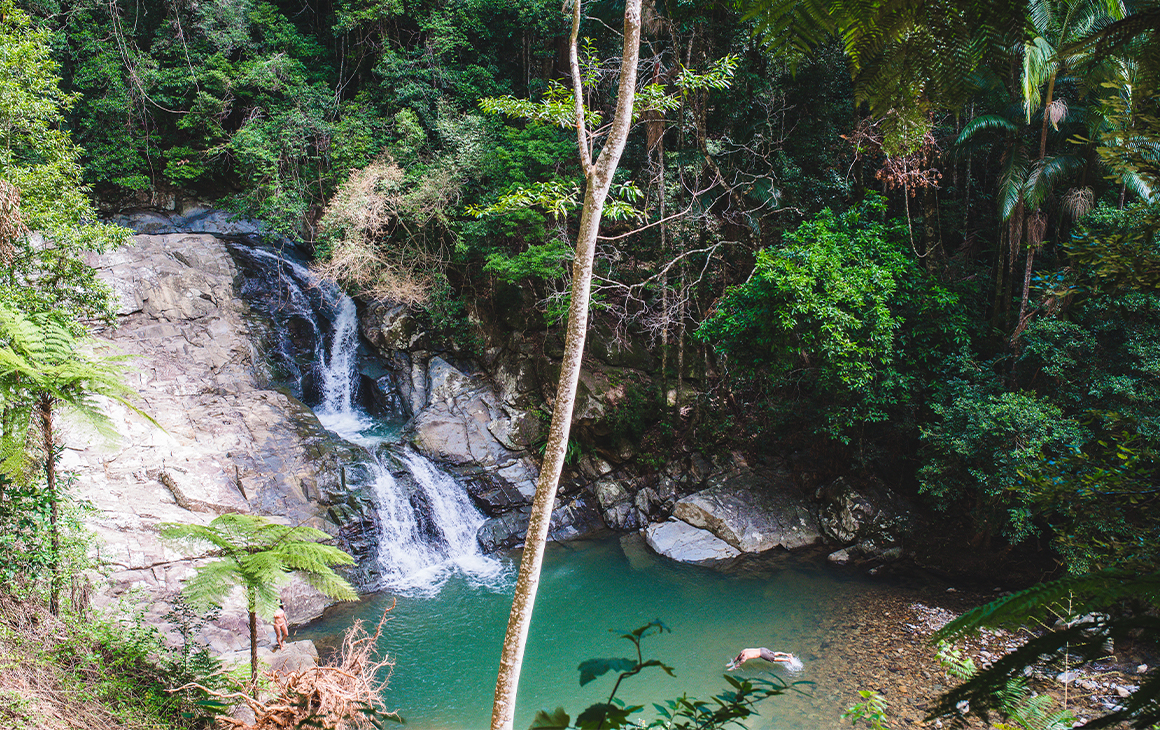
point(605, 716)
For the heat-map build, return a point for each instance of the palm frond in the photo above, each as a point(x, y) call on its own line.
point(1045, 175)
point(1139, 186)
point(1011, 183)
point(1039, 63)
point(985, 123)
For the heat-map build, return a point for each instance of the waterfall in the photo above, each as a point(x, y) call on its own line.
point(428, 522)
point(338, 368)
point(428, 535)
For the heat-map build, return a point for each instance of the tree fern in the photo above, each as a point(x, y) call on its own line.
point(258, 556)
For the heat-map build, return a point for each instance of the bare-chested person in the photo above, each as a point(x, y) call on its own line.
point(759, 653)
point(281, 628)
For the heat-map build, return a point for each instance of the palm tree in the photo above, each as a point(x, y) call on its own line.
point(44, 367)
point(258, 555)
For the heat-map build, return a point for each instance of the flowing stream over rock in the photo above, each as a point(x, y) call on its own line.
point(427, 521)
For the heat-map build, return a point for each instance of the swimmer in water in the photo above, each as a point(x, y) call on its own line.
point(762, 653)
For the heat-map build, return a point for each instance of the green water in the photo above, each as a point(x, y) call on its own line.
point(446, 646)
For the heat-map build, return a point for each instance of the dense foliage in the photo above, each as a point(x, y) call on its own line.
point(981, 334)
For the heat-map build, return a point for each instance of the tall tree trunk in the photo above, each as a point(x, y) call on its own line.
point(1031, 244)
point(1000, 269)
point(967, 189)
point(599, 178)
point(44, 406)
point(931, 233)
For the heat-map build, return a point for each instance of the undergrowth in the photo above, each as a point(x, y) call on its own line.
point(92, 671)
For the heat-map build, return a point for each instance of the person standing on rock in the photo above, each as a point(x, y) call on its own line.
point(281, 628)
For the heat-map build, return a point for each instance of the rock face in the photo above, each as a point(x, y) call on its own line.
point(871, 520)
point(460, 420)
point(226, 442)
point(752, 511)
point(193, 218)
point(457, 424)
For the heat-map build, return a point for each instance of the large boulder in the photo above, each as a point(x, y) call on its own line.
point(688, 544)
point(457, 426)
point(752, 510)
point(572, 517)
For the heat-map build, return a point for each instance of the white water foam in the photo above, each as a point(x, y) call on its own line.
point(417, 556)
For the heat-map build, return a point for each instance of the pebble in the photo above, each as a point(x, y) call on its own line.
point(1087, 684)
point(1123, 692)
point(1143, 668)
point(1066, 677)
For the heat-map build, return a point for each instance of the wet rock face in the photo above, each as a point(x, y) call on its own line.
point(572, 517)
point(193, 218)
point(227, 442)
point(458, 423)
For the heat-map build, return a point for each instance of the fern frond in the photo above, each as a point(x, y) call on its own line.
point(331, 585)
point(1087, 592)
point(211, 584)
point(196, 535)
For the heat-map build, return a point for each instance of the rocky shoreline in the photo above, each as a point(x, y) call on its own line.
point(887, 650)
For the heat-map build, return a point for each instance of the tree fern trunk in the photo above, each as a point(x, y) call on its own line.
point(254, 651)
point(45, 408)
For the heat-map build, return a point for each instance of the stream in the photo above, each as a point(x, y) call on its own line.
point(445, 632)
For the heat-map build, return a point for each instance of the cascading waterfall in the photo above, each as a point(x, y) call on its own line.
point(429, 534)
point(428, 531)
point(337, 411)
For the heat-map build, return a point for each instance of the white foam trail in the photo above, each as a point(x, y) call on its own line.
point(338, 367)
point(794, 665)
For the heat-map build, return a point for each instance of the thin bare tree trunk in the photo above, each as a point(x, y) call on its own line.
point(253, 651)
point(599, 179)
point(45, 407)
